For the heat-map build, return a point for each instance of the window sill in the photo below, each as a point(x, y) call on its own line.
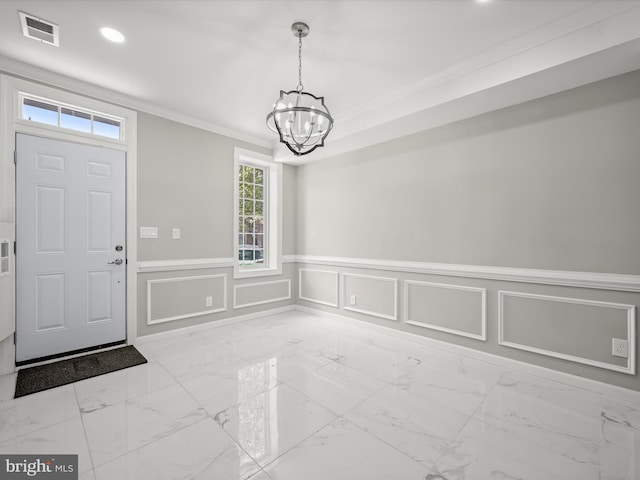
point(258, 272)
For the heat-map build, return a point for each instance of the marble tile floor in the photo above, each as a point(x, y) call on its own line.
point(295, 396)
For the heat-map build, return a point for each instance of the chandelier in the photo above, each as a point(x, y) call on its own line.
point(301, 119)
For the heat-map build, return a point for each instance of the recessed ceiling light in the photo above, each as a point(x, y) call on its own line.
point(112, 34)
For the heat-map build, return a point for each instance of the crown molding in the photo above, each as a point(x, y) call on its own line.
point(25, 71)
point(592, 45)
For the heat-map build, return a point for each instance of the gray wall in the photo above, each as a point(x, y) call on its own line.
point(185, 180)
point(550, 185)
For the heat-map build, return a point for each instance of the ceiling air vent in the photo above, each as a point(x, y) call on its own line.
point(39, 29)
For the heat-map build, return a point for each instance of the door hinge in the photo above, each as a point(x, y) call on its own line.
point(14, 248)
point(15, 338)
point(15, 157)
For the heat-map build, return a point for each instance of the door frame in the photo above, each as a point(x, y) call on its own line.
point(10, 125)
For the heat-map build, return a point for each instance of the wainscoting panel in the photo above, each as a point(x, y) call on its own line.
point(171, 299)
point(453, 309)
point(318, 286)
point(250, 294)
point(572, 329)
point(377, 296)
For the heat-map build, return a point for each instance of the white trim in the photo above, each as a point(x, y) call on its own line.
point(631, 336)
point(604, 281)
point(368, 312)
point(184, 264)
point(202, 327)
point(16, 68)
point(573, 380)
point(186, 315)
point(262, 302)
point(483, 313)
point(273, 225)
point(11, 123)
point(321, 302)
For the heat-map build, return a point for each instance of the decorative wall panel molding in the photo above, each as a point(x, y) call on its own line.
point(259, 293)
point(455, 309)
point(372, 295)
point(572, 329)
point(171, 299)
point(319, 286)
point(605, 281)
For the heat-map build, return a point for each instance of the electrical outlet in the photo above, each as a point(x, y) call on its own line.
point(352, 300)
point(620, 348)
point(209, 301)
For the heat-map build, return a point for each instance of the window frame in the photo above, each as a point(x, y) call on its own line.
point(102, 117)
point(272, 264)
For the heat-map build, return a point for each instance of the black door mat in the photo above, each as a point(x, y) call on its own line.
point(43, 377)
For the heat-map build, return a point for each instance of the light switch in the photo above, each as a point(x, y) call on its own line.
point(148, 232)
point(175, 233)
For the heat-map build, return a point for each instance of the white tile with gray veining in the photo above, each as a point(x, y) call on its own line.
point(508, 452)
point(269, 424)
point(620, 454)
point(462, 386)
point(335, 386)
point(297, 396)
point(417, 427)
point(66, 437)
point(104, 390)
point(39, 410)
point(547, 413)
point(343, 451)
point(222, 389)
point(200, 451)
point(118, 429)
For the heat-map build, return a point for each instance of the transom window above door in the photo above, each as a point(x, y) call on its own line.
point(49, 112)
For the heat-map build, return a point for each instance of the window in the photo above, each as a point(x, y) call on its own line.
point(257, 215)
point(49, 112)
point(251, 217)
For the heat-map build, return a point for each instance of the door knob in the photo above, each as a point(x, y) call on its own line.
point(117, 261)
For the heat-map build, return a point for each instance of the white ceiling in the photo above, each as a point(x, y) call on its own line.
point(385, 68)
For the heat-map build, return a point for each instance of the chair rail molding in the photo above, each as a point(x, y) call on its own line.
point(596, 280)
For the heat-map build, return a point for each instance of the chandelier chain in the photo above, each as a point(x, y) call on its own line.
point(300, 86)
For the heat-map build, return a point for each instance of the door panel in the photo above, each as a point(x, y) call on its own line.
point(51, 302)
point(70, 204)
point(99, 296)
point(50, 219)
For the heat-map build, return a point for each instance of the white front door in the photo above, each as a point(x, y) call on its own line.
point(70, 247)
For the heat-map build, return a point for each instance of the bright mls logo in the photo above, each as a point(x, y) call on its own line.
point(51, 467)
